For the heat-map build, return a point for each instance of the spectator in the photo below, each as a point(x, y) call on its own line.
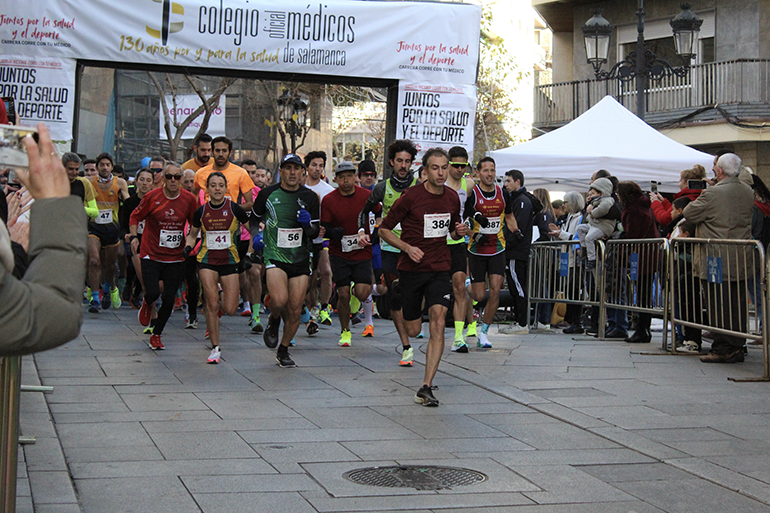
point(687, 297)
point(601, 220)
point(543, 220)
point(574, 205)
point(724, 212)
point(42, 310)
point(662, 207)
point(677, 207)
point(639, 223)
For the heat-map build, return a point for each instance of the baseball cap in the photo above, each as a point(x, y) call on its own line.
point(366, 166)
point(145, 162)
point(345, 166)
point(292, 158)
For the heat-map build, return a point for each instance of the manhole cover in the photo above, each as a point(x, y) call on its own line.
point(417, 477)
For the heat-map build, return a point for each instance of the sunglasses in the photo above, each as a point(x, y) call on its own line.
point(156, 169)
point(173, 177)
point(368, 174)
point(459, 165)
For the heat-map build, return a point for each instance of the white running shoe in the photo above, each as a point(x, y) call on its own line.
point(513, 329)
point(214, 355)
point(482, 341)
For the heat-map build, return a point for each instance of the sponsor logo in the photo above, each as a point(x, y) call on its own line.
point(167, 26)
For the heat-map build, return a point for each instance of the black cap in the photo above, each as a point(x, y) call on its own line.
point(366, 166)
point(292, 158)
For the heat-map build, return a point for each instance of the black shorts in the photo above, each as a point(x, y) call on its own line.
point(256, 258)
point(223, 270)
point(316, 256)
point(346, 271)
point(435, 287)
point(108, 234)
point(390, 261)
point(292, 270)
point(459, 259)
point(480, 266)
point(243, 248)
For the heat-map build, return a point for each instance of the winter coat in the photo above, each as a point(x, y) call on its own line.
point(601, 207)
point(639, 223)
point(662, 209)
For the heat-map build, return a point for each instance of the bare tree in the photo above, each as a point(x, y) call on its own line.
point(174, 127)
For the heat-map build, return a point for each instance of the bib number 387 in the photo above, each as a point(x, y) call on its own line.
point(435, 225)
point(289, 237)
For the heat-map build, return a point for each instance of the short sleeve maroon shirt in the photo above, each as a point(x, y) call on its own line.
point(342, 211)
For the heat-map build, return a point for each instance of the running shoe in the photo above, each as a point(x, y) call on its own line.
point(145, 313)
point(257, 327)
point(482, 341)
point(135, 302)
point(206, 336)
point(345, 339)
point(95, 306)
point(407, 357)
point(368, 331)
point(421, 334)
point(292, 343)
point(315, 311)
point(459, 346)
point(214, 355)
point(425, 397)
point(324, 317)
point(178, 305)
point(312, 327)
point(305, 316)
point(115, 297)
point(284, 359)
point(355, 319)
point(270, 336)
point(246, 312)
point(156, 344)
point(191, 324)
point(106, 299)
point(471, 330)
point(148, 330)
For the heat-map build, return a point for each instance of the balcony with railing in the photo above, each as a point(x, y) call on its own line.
point(711, 92)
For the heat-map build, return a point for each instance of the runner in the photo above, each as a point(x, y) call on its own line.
point(80, 186)
point(289, 212)
point(401, 153)
point(458, 163)
point(144, 181)
point(104, 232)
point(202, 148)
point(367, 173)
point(89, 169)
point(157, 165)
point(351, 257)
point(427, 213)
point(254, 274)
point(191, 282)
point(218, 259)
point(165, 212)
point(239, 185)
point(321, 283)
point(489, 207)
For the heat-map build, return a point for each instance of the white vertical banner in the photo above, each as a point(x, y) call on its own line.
point(43, 90)
point(186, 105)
point(436, 115)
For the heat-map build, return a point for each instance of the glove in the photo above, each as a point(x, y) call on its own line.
point(375, 237)
point(337, 233)
point(257, 243)
point(303, 218)
point(479, 218)
point(518, 236)
point(480, 239)
point(187, 251)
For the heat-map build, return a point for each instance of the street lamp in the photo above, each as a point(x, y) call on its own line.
point(292, 112)
point(641, 64)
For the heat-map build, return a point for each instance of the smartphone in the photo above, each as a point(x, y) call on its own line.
point(12, 153)
point(696, 184)
point(654, 186)
point(10, 109)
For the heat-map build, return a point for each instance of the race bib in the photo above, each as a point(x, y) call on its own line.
point(218, 239)
point(105, 217)
point(493, 228)
point(372, 222)
point(435, 225)
point(170, 238)
point(289, 237)
point(349, 243)
point(140, 227)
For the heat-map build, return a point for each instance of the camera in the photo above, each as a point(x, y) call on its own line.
point(13, 156)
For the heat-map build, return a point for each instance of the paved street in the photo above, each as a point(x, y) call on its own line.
point(556, 424)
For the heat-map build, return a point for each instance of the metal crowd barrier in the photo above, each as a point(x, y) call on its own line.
point(720, 286)
point(10, 388)
point(556, 275)
point(636, 278)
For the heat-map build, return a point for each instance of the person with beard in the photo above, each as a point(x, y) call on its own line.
point(239, 184)
point(202, 148)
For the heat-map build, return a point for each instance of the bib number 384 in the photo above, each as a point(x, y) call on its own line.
point(170, 238)
point(289, 237)
point(435, 225)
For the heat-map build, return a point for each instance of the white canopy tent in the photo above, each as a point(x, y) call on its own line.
point(607, 136)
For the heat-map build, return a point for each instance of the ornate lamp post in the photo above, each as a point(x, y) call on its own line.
point(641, 64)
point(292, 113)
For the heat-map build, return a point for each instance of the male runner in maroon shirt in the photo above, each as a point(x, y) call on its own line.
point(427, 213)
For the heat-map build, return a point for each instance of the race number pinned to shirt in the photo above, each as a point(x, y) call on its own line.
point(170, 238)
point(289, 237)
point(219, 239)
point(435, 225)
point(493, 228)
point(105, 217)
point(349, 243)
